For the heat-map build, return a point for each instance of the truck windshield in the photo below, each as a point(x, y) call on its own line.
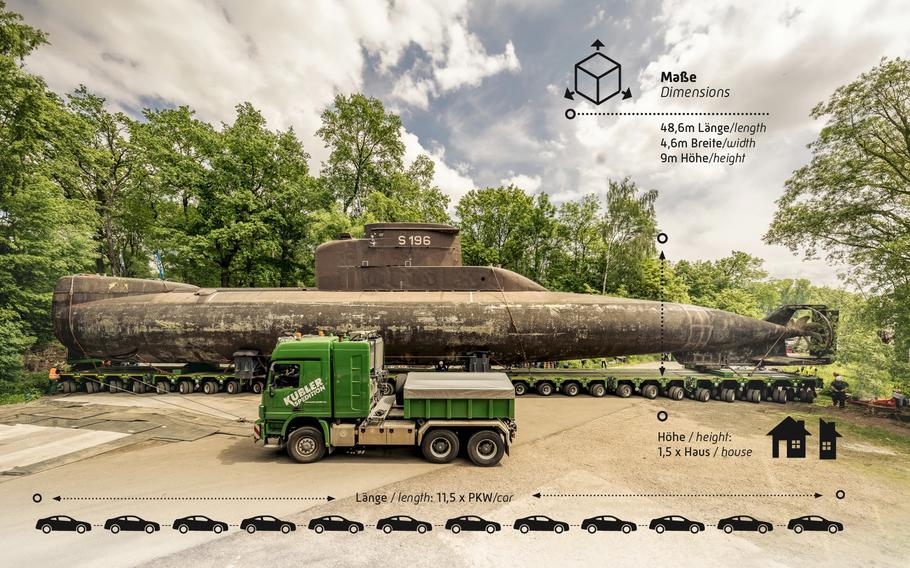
point(285, 375)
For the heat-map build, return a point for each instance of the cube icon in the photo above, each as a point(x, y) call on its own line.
point(598, 78)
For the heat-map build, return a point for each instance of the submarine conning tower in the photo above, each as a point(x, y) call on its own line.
point(408, 257)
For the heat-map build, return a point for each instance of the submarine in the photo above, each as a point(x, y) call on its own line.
point(406, 282)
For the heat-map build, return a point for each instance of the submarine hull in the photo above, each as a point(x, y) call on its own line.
point(154, 321)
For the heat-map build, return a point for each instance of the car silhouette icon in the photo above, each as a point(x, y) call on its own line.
point(472, 523)
point(266, 523)
point(814, 523)
point(744, 523)
point(539, 523)
point(607, 523)
point(675, 523)
point(403, 523)
point(130, 523)
point(198, 523)
point(334, 523)
point(62, 523)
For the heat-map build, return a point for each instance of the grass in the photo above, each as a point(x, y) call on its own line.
point(29, 387)
point(848, 424)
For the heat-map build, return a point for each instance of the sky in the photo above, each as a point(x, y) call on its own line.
point(479, 86)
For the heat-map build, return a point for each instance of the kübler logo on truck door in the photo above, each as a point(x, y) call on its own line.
point(305, 393)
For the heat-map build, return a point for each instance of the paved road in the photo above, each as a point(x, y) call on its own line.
point(565, 445)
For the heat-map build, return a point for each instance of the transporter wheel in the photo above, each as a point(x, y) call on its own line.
point(624, 390)
point(597, 390)
point(486, 448)
point(186, 387)
point(115, 385)
point(252, 528)
point(306, 445)
point(162, 387)
point(138, 386)
point(729, 396)
point(521, 388)
point(702, 395)
point(756, 396)
point(258, 387)
point(571, 389)
point(649, 391)
point(545, 388)
point(440, 446)
point(90, 387)
point(676, 393)
point(232, 387)
point(810, 395)
point(209, 387)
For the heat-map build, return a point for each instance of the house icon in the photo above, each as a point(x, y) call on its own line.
point(794, 433)
point(827, 441)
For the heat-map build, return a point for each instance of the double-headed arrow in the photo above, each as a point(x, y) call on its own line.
point(583, 495)
point(98, 498)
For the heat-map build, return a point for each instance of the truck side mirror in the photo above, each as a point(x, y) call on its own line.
point(271, 389)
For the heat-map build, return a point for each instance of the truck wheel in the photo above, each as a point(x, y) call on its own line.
point(186, 387)
point(521, 388)
point(624, 391)
point(232, 387)
point(597, 390)
point(571, 389)
point(676, 393)
point(545, 388)
point(209, 387)
point(486, 448)
point(702, 395)
point(649, 391)
point(258, 387)
point(440, 446)
point(306, 445)
point(756, 396)
point(729, 396)
point(386, 388)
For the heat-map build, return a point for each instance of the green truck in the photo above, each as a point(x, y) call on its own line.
point(325, 393)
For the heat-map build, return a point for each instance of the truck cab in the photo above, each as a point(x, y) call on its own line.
point(327, 392)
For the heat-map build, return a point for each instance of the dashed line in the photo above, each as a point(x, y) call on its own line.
point(592, 113)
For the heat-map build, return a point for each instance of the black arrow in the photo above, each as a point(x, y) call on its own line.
point(569, 94)
point(577, 495)
point(662, 370)
point(627, 94)
point(61, 498)
point(597, 44)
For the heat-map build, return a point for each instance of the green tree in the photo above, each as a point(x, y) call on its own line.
point(852, 201)
point(730, 283)
point(494, 223)
point(412, 196)
point(628, 230)
point(366, 149)
point(42, 235)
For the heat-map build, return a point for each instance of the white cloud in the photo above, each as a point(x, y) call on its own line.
point(528, 183)
point(288, 59)
point(775, 59)
point(451, 181)
point(467, 62)
point(414, 92)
